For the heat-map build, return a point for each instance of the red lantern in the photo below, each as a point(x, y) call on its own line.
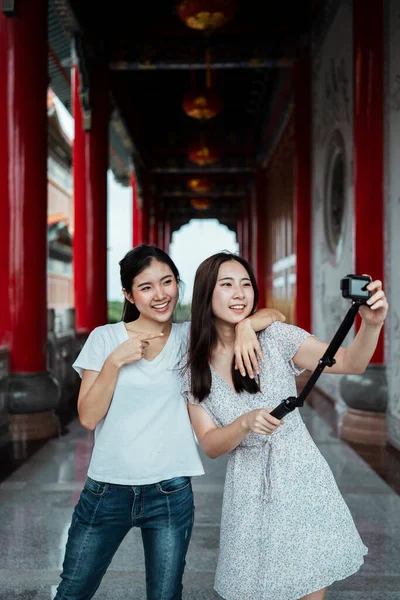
point(206, 14)
point(200, 203)
point(203, 104)
point(199, 184)
point(202, 154)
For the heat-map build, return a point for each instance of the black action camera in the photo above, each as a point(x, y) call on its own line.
point(354, 288)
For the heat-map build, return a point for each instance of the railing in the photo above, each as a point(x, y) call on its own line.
point(63, 347)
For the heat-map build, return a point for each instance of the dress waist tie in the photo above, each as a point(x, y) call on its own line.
point(267, 460)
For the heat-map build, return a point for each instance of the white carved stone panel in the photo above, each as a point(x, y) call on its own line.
point(392, 212)
point(332, 170)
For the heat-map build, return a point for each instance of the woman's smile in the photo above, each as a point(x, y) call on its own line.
point(162, 308)
point(238, 308)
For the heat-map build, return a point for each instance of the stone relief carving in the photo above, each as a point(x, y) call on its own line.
point(332, 149)
point(334, 312)
point(394, 98)
point(334, 104)
point(392, 217)
point(394, 369)
point(335, 197)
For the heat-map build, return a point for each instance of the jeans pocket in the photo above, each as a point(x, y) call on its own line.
point(175, 485)
point(97, 488)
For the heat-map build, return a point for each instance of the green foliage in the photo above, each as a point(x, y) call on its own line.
point(182, 311)
point(114, 311)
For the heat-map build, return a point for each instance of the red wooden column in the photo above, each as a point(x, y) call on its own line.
point(248, 230)
point(157, 220)
point(239, 235)
point(153, 222)
point(246, 241)
point(153, 225)
point(160, 225)
point(23, 217)
point(167, 233)
point(366, 395)
point(260, 235)
point(302, 191)
point(368, 143)
point(146, 210)
point(152, 230)
point(137, 235)
point(90, 161)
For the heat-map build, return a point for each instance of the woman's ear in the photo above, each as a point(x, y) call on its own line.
point(128, 296)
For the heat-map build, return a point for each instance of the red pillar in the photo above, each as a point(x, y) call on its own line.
point(167, 234)
point(23, 220)
point(253, 228)
point(160, 225)
point(137, 214)
point(368, 143)
point(247, 231)
point(366, 395)
point(146, 210)
point(302, 192)
point(260, 236)
point(90, 161)
point(153, 230)
point(239, 235)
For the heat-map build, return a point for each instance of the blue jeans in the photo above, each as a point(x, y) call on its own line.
point(103, 516)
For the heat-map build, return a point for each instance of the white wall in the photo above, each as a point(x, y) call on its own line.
point(392, 216)
point(332, 108)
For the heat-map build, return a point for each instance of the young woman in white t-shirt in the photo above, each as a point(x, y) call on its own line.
point(145, 452)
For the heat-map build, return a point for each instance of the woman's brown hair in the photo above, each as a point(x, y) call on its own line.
point(203, 333)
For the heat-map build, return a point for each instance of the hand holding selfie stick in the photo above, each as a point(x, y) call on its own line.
point(353, 287)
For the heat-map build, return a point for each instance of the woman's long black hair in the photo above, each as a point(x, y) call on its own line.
point(203, 333)
point(133, 263)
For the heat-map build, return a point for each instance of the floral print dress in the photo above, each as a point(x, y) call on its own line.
point(285, 530)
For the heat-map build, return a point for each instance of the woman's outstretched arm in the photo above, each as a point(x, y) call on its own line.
point(357, 356)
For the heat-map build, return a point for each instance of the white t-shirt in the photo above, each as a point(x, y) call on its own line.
point(146, 435)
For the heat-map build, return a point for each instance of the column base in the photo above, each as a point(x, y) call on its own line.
point(366, 397)
point(32, 399)
point(394, 430)
point(38, 426)
point(30, 393)
point(363, 427)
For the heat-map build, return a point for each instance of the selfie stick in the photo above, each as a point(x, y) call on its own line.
point(288, 405)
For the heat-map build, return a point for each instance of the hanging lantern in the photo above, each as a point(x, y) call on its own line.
point(200, 203)
point(199, 184)
point(202, 153)
point(203, 104)
point(206, 14)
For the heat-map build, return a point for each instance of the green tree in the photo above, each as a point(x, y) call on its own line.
point(115, 311)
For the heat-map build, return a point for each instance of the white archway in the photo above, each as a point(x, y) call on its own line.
point(194, 242)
